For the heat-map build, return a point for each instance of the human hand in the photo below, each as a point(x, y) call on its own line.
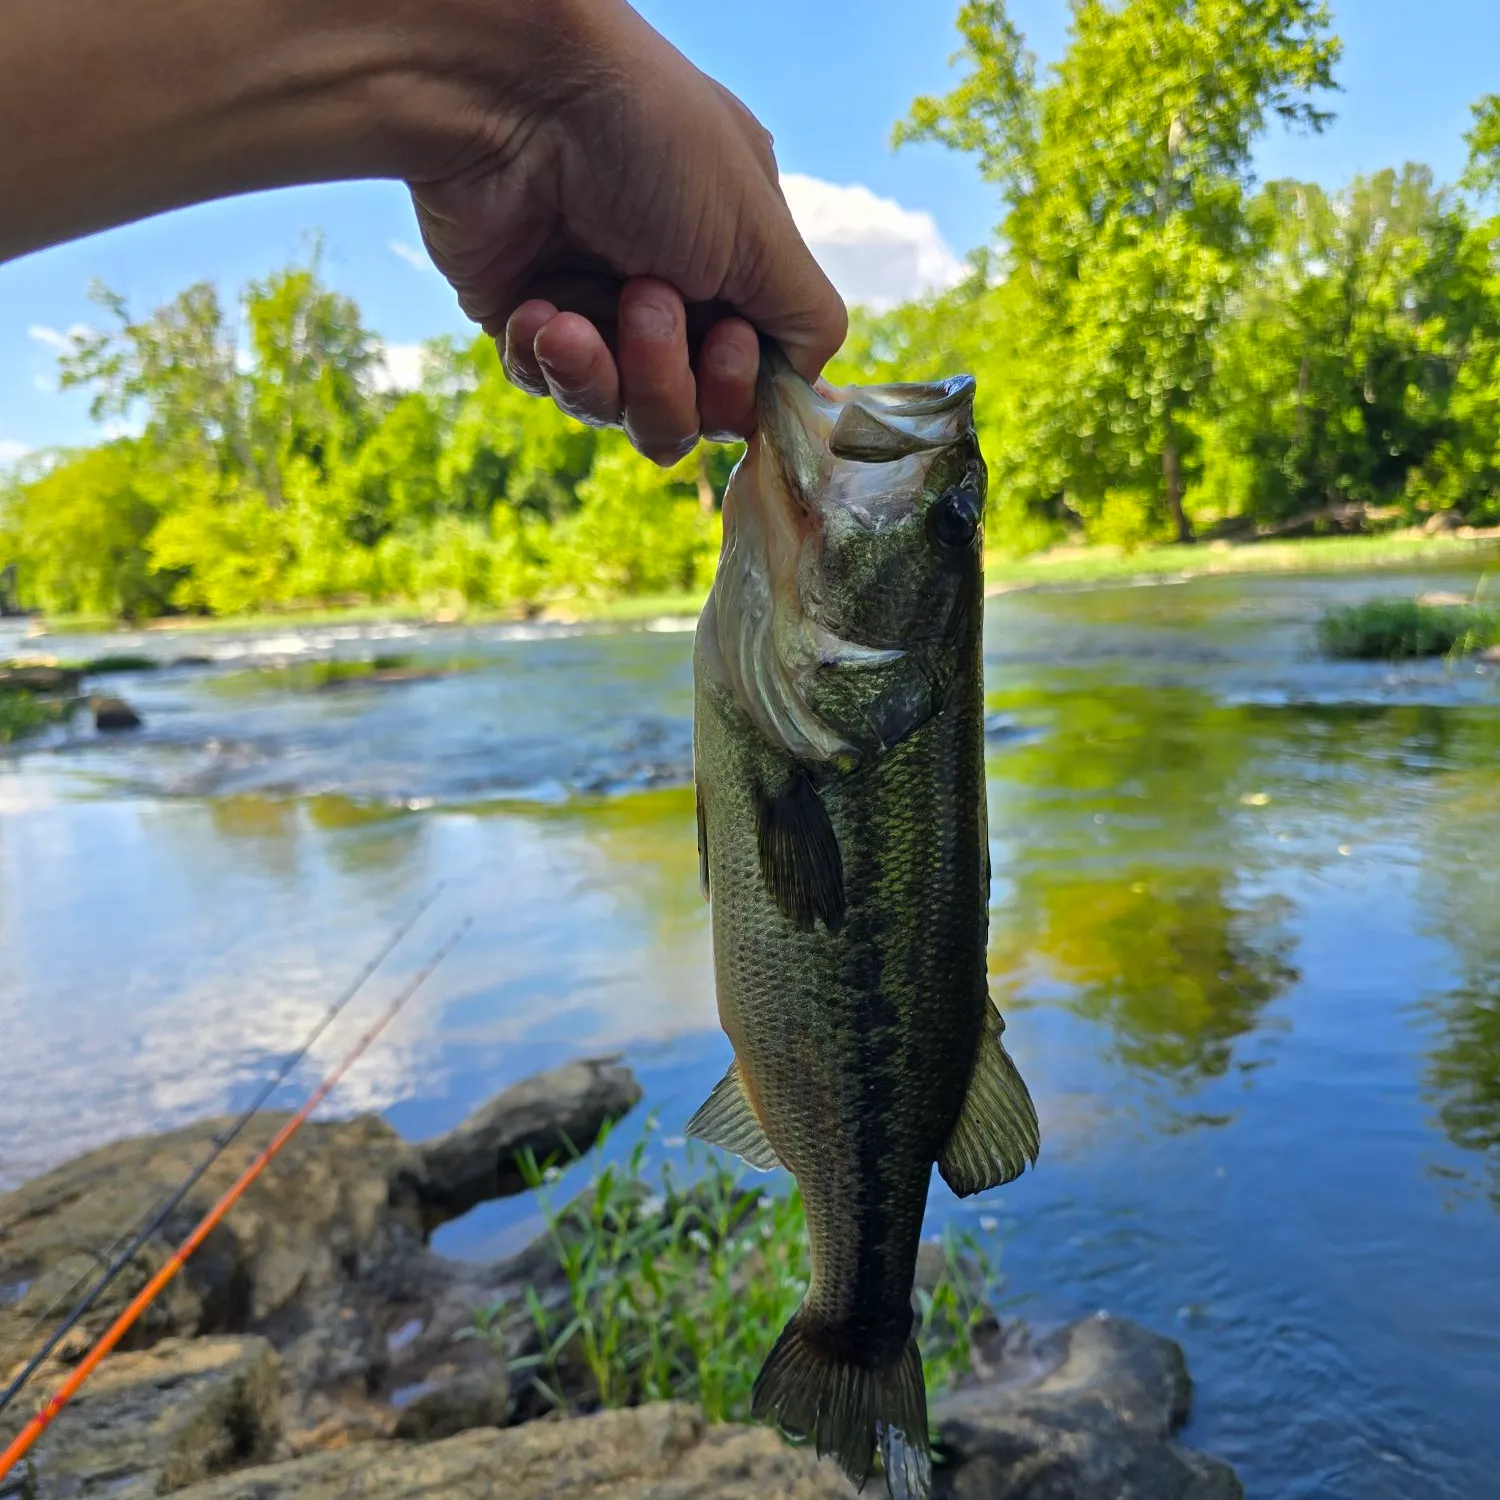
point(619, 229)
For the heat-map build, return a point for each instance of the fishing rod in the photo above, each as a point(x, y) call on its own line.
point(122, 1325)
point(140, 1234)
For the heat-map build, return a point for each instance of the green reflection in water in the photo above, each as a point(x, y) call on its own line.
point(1461, 887)
point(1129, 863)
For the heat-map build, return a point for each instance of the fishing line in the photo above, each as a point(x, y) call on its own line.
point(141, 1232)
point(122, 1325)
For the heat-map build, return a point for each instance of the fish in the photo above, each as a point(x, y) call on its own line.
point(838, 758)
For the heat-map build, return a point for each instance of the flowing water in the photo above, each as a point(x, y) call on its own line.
point(1246, 930)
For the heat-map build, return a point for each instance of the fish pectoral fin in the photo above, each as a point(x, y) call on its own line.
point(997, 1131)
point(702, 843)
point(799, 855)
point(727, 1118)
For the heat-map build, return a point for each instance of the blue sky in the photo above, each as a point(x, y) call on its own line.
point(828, 80)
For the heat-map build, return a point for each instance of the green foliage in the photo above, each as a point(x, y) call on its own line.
point(1124, 176)
point(119, 661)
point(678, 1283)
point(1398, 629)
point(23, 713)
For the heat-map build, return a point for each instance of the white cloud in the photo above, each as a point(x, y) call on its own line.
point(12, 452)
point(61, 342)
point(411, 255)
point(45, 384)
point(400, 368)
point(873, 250)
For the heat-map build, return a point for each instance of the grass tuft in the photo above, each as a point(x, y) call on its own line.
point(678, 1282)
point(23, 714)
point(1401, 629)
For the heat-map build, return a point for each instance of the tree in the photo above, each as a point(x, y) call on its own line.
point(1337, 371)
point(1124, 177)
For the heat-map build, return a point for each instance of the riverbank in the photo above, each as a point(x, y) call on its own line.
point(322, 1347)
point(1064, 567)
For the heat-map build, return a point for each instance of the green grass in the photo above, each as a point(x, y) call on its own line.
point(120, 661)
point(1401, 629)
point(1307, 555)
point(23, 714)
point(677, 1284)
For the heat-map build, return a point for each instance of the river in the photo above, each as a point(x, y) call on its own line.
point(1246, 932)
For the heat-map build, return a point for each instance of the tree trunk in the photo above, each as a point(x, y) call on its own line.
point(705, 484)
point(1171, 473)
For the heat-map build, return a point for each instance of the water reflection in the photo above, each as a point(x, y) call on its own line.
point(1127, 872)
point(1461, 887)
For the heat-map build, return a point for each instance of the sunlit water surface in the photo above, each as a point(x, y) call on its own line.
point(1246, 929)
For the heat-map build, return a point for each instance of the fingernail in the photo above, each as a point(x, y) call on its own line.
point(652, 319)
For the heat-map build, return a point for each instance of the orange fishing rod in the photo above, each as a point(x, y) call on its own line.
point(117, 1330)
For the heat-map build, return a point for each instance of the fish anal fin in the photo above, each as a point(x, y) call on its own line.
point(809, 1391)
point(799, 855)
point(997, 1131)
point(727, 1118)
point(702, 843)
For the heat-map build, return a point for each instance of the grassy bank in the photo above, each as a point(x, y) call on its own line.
point(1065, 567)
point(1101, 565)
point(1404, 629)
point(675, 1286)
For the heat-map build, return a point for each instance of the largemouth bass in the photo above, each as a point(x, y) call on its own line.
point(843, 844)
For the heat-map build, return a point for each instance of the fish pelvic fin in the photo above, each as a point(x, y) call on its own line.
point(809, 1390)
point(799, 855)
point(727, 1118)
point(997, 1132)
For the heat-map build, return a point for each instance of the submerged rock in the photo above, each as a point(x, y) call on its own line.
point(1087, 1414)
point(646, 1453)
point(152, 1422)
point(111, 713)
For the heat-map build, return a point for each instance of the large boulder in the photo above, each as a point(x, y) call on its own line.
point(659, 1452)
point(1087, 1414)
point(152, 1422)
point(480, 1159)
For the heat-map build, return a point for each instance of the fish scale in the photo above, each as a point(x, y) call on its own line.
point(839, 762)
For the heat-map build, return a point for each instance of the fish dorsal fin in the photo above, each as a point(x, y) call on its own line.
point(727, 1118)
point(702, 843)
point(799, 855)
point(997, 1132)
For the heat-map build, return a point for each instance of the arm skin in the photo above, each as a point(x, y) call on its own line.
point(604, 210)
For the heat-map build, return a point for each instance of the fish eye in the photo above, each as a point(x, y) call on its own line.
point(955, 518)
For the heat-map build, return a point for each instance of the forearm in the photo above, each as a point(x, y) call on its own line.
point(111, 110)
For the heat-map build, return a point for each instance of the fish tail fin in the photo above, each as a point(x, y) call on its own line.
point(808, 1389)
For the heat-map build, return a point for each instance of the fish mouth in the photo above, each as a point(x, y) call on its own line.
point(811, 428)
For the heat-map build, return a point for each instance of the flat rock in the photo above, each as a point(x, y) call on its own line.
point(659, 1452)
point(477, 1160)
point(40, 679)
point(1087, 1414)
point(149, 1423)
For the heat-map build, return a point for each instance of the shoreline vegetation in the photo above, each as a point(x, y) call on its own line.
point(1062, 567)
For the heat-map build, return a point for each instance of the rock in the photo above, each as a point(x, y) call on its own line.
point(192, 660)
point(1087, 1414)
point(111, 713)
point(326, 1255)
point(1491, 654)
point(439, 1409)
point(477, 1160)
point(39, 679)
point(1442, 599)
point(659, 1452)
point(1441, 521)
point(149, 1423)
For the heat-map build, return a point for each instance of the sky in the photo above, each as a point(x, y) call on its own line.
point(828, 80)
